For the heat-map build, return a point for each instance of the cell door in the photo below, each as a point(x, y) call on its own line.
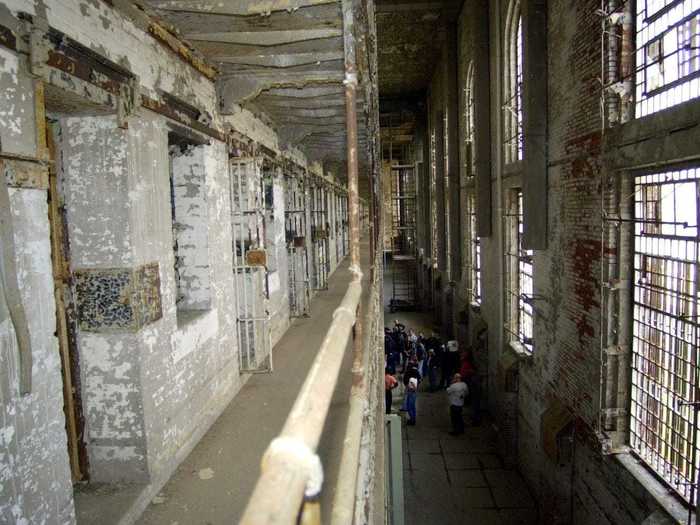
point(295, 232)
point(65, 321)
point(249, 265)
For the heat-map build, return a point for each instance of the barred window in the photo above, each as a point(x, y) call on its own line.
point(433, 199)
point(667, 55)
point(470, 158)
point(663, 430)
point(474, 252)
point(512, 82)
point(520, 271)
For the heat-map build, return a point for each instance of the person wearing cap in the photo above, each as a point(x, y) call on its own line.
point(456, 393)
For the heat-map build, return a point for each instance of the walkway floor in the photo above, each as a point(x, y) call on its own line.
point(213, 484)
point(455, 479)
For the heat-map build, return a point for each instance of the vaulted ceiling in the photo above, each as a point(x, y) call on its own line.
point(280, 58)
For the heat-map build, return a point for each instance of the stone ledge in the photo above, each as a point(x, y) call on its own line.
point(667, 499)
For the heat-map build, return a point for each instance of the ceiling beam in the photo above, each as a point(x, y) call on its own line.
point(264, 38)
point(236, 7)
point(280, 60)
point(316, 17)
point(236, 89)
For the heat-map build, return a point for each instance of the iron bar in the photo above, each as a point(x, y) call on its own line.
point(346, 486)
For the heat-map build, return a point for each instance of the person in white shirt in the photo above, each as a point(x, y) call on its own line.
point(456, 393)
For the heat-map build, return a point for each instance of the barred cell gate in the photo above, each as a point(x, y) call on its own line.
point(295, 234)
point(344, 238)
point(249, 265)
point(319, 236)
point(403, 237)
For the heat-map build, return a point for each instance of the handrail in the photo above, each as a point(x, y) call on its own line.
point(285, 466)
point(290, 467)
point(346, 485)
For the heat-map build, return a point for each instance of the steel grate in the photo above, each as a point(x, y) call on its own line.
point(520, 282)
point(665, 331)
point(667, 54)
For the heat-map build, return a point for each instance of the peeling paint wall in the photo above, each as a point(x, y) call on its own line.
point(190, 228)
point(32, 427)
point(35, 483)
point(151, 383)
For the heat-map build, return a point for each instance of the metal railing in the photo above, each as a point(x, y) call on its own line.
point(291, 473)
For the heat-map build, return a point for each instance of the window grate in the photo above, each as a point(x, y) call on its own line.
point(513, 100)
point(667, 54)
point(520, 279)
point(474, 260)
point(665, 326)
point(470, 157)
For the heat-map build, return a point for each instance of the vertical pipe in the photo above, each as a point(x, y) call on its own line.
point(343, 504)
point(627, 63)
point(351, 131)
point(612, 71)
point(625, 318)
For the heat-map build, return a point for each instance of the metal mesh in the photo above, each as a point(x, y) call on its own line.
point(474, 260)
point(247, 226)
point(665, 331)
point(295, 234)
point(513, 103)
point(520, 284)
point(667, 54)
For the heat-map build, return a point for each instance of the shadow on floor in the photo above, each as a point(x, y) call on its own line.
point(455, 479)
point(458, 479)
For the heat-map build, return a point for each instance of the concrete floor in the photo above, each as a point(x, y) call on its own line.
point(213, 484)
point(455, 479)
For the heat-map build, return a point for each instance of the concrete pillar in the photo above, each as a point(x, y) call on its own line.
point(96, 183)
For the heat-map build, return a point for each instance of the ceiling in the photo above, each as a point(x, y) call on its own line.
point(408, 47)
point(279, 58)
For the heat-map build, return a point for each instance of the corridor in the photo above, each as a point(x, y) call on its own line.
point(455, 479)
point(213, 484)
point(185, 189)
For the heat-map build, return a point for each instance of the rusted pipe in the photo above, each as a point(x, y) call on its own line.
point(344, 500)
point(627, 63)
point(613, 69)
point(351, 132)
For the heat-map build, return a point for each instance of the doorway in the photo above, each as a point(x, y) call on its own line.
point(66, 315)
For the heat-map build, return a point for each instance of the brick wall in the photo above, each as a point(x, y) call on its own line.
point(565, 368)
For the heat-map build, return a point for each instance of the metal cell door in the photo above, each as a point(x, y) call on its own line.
point(249, 265)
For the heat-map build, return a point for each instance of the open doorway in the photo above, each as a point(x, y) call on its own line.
point(66, 316)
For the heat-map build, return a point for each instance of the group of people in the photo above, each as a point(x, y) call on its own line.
point(444, 366)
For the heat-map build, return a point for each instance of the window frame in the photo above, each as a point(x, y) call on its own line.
point(640, 231)
point(512, 106)
point(517, 262)
point(665, 26)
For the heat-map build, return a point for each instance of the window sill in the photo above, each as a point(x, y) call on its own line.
point(520, 351)
point(666, 498)
point(187, 317)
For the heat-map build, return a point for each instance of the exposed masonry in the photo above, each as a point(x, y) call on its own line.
point(150, 385)
point(190, 227)
point(564, 372)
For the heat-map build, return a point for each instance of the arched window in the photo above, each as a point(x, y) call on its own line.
point(473, 252)
point(512, 84)
point(469, 121)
